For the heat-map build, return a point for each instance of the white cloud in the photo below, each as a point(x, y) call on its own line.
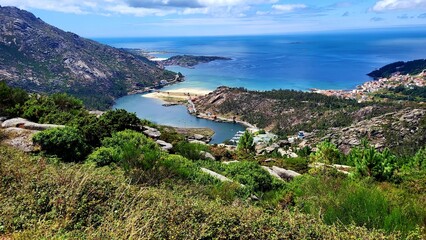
point(288, 7)
point(386, 5)
point(141, 7)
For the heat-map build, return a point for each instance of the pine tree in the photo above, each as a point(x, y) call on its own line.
point(246, 142)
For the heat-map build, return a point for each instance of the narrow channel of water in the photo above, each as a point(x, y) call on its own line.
point(176, 116)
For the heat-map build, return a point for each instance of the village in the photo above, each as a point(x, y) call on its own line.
point(363, 92)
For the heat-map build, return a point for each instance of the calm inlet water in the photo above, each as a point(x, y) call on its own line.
point(338, 60)
point(177, 116)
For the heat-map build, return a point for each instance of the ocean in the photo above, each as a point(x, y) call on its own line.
point(333, 60)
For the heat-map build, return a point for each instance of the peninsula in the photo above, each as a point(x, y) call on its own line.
point(189, 61)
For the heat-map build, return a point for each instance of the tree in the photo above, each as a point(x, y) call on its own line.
point(326, 153)
point(246, 143)
point(371, 163)
point(10, 98)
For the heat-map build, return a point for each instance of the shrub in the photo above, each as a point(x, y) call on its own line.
point(190, 150)
point(134, 150)
point(298, 164)
point(10, 98)
point(66, 143)
point(175, 166)
point(96, 129)
point(371, 163)
point(327, 153)
point(252, 176)
point(104, 156)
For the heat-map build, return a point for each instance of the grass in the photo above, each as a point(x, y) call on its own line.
point(78, 201)
point(362, 203)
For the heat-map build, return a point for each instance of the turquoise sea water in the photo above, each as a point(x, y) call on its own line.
point(338, 60)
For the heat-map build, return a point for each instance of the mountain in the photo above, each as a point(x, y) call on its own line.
point(41, 58)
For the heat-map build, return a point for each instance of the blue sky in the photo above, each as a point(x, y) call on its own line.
point(141, 18)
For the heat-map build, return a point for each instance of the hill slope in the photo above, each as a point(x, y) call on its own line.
point(41, 58)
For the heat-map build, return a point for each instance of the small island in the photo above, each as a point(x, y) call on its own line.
point(189, 61)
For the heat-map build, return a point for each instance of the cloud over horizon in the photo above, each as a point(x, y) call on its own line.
point(388, 5)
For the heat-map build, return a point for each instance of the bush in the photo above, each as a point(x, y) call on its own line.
point(371, 163)
point(190, 150)
point(175, 166)
point(252, 176)
point(10, 98)
point(96, 129)
point(327, 153)
point(57, 109)
point(66, 143)
point(135, 150)
point(104, 156)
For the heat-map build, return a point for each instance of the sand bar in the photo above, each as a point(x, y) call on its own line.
point(176, 95)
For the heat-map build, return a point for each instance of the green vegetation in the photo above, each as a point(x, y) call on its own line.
point(74, 201)
point(190, 150)
point(288, 111)
point(10, 97)
point(101, 178)
point(66, 143)
point(246, 142)
point(411, 67)
point(401, 93)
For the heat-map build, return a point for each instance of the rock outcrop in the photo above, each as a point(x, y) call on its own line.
point(388, 130)
point(164, 145)
point(151, 132)
point(25, 124)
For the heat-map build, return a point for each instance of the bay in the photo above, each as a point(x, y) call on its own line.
point(331, 60)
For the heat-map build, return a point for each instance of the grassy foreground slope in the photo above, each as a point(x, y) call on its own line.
point(73, 201)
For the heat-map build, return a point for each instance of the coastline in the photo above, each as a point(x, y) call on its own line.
point(175, 96)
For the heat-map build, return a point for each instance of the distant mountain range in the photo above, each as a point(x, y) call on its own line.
point(41, 58)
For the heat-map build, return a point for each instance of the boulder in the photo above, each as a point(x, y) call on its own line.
point(25, 124)
point(19, 138)
point(271, 172)
point(151, 132)
point(284, 173)
point(2, 119)
point(164, 145)
point(14, 122)
point(216, 175)
point(229, 162)
point(207, 156)
point(196, 141)
point(198, 137)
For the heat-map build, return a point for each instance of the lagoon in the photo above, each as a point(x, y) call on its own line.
point(176, 116)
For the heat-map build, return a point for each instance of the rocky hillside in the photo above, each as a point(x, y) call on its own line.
point(287, 111)
point(403, 131)
point(41, 58)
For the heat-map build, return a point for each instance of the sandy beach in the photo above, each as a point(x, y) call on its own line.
point(177, 95)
